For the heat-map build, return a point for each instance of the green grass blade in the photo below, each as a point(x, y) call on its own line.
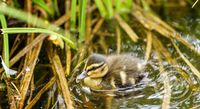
point(5, 42)
point(118, 5)
point(56, 8)
point(145, 5)
point(101, 8)
point(126, 6)
point(129, 4)
point(79, 14)
point(108, 4)
point(73, 15)
point(37, 30)
point(82, 20)
point(29, 18)
point(44, 6)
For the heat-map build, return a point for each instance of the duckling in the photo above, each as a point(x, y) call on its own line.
point(111, 72)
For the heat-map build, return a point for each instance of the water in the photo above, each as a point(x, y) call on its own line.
point(149, 93)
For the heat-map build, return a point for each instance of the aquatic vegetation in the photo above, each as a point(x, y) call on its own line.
point(47, 43)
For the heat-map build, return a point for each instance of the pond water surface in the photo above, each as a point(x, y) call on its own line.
point(149, 93)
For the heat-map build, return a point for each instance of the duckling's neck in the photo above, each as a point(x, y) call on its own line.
point(94, 83)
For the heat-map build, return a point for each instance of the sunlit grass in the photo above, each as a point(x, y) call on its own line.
point(5, 39)
point(73, 16)
point(91, 29)
point(82, 26)
point(37, 30)
point(44, 6)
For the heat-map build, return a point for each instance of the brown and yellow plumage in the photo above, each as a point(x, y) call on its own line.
point(111, 72)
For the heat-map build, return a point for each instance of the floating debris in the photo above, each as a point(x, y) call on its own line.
point(7, 70)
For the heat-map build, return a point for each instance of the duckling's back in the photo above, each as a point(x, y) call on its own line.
point(124, 70)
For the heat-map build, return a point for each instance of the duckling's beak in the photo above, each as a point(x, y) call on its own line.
point(81, 76)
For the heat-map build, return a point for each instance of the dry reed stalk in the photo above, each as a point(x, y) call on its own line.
point(108, 102)
point(127, 28)
point(94, 21)
point(82, 52)
point(32, 88)
point(11, 98)
point(119, 40)
point(193, 69)
point(148, 46)
point(93, 8)
point(25, 82)
point(195, 3)
point(164, 27)
point(160, 51)
point(196, 107)
point(166, 81)
point(105, 34)
point(15, 45)
point(96, 27)
point(28, 5)
point(44, 14)
point(61, 20)
point(40, 38)
point(28, 55)
point(103, 44)
point(26, 49)
point(39, 94)
point(167, 92)
point(68, 60)
point(67, 13)
point(149, 23)
point(62, 80)
point(28, 75)
point(152, 22)
point(72, 78)
point(184, 42)
point(88, 23)
point(20, 67)
point(59, 73)
point(159, 46)
point(49, 99)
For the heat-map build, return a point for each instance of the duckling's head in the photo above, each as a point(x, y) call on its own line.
point(95, 67)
